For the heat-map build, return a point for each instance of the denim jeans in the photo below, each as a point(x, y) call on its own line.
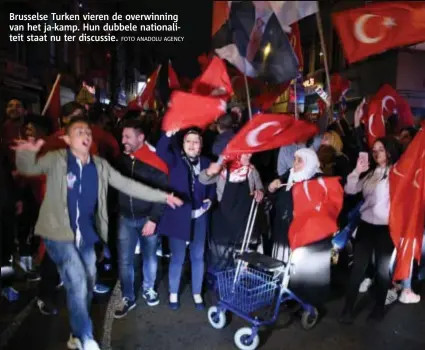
point(129, 234)
point(77, 268)
point(178, 254)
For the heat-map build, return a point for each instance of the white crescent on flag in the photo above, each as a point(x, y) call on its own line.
point(360, 33)
point(384, 102)
point(252, 136)
point(370, 124)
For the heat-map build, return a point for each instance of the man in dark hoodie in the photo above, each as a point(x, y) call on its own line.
point(138, 218)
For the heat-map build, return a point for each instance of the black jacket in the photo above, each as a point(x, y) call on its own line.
point(133, 208)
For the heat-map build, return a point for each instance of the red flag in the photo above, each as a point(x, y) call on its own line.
point(220, 15)
point(173, 81)
point(267, 99)
point(339, 87)
point(147, 98)
point(268, 131)
point(375, 28)
point(407, 194)
point(214, 81)
point(53, 104)
point(385, 103)
point(147, 154)
point(189, 110)
point(317, 204)
point(295, 40)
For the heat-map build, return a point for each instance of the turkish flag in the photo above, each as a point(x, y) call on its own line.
point(214, 81)
point(295, 40)
point(173, 81)
point(267, 99)
point(339, 87)
point(385, 103)
point(190, 110)
point(146, 99)
point(268, 131)
point(203, 61)
point(407, 194)
point(317, 204)
point(375, 28)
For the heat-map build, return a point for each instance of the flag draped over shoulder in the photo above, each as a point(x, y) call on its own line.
point(254, 40)
point(377, 27)
point(407, 194)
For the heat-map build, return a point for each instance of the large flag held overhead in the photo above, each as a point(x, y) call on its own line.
point(187, 110)
point(146, 99)
point(253, 37)
point(385, 103)
point(214, 81)
point(407, 194)
point(375, 28)
point(268, 131)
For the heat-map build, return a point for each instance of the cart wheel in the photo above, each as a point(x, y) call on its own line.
point(216, 318)
point(241, 339)
point(309, 319)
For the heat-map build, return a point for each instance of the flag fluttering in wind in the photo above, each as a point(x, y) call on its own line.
point(173, 81)
point(214, 81)
point(385, 103)
point(268, 131)
point(407, 194)
point(377, 27)
point(146, 99)
point(253, 37)
point(187, 110)
point(52, 107)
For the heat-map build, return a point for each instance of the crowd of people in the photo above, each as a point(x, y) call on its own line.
point(174, 190)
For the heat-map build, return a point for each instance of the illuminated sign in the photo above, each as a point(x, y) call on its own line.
point(309, 82)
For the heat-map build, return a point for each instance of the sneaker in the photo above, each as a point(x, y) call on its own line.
point(127, 306)
point(364, 287)
point(90, 345)
point(101, 288)
point(46, 308)
point(74, 343)
point(151, 297)
point(199, 302)
point(407, 296)
point(392, 296)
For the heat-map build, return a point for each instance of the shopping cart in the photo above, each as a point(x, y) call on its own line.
point(254, 291)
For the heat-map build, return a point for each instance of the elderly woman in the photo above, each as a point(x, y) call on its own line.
point(306, 210)
point(238, 182)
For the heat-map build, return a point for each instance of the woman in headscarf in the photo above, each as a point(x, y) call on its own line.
point(188, 224)
point(306, 166)
point(238, 183)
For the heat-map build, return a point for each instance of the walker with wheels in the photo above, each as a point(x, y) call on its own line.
point(254, 291)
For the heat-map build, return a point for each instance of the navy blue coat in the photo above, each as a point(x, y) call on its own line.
point(176, 223)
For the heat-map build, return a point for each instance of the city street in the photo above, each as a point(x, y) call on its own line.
point(161, 328)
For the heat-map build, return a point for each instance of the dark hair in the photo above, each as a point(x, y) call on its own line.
point(70, 107)
point(136, 124)
point(75, 121)
point(131, 115)
point(225, 122)
point(392, 149)
point(411, 130)
point(39, 121)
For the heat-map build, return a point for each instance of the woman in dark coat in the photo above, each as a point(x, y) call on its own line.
point(186, 225)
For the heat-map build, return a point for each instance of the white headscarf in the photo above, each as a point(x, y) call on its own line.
point(311, 167)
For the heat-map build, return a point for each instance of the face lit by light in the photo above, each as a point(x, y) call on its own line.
point(298, 164)
point(246, 159)
point(379, 154)
point(192, 145)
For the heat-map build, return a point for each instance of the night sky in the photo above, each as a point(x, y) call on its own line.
point(195, 18)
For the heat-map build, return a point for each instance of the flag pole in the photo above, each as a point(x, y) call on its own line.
point(248, 99)
point(325, 59)
point(49, 99)
point(296, 100)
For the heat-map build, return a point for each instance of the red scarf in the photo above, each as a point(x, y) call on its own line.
point(147, 154)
